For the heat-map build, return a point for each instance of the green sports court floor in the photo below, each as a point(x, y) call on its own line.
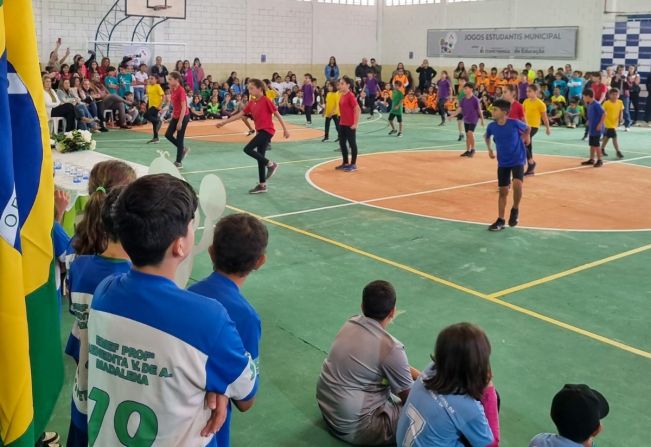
point(559, 306)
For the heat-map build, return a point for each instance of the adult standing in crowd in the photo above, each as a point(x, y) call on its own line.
point(160, 71)
point(459, 72)
point(331, 71)
point(377, 68)
point(198, 75)
point(647, 112)
point(361, 71)
point(633, 80)
point(425, 76)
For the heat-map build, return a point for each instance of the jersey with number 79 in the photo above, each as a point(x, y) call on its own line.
point(154, 352)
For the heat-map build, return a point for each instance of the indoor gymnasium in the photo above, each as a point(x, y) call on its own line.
point(422, 223)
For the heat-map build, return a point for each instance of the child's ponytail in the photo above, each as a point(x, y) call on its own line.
point(90, 235)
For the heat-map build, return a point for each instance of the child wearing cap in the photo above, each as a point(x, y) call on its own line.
point(577, 411)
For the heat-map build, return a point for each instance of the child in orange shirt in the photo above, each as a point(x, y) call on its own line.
point(402, 77)
point(451, 104)
point(491, 81)
point(411, 103)
point(431, 101)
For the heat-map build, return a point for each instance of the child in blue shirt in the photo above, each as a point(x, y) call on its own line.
point(238, 248)
point(85, 274)
point(510, 138)
point(124, 80)
point(575, 86)
point(170, 355)
point(595, 117)
point(111, 82)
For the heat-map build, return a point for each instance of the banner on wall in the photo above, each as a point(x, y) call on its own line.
point(503, 43)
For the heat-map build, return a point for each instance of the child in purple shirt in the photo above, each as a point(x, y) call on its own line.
point(470, 108)
point(444, 88)
point(372, 89)
point(308, 98)
point(522, 87)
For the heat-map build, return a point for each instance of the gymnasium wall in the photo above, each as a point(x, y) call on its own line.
point(399, 22)
point(233, 34)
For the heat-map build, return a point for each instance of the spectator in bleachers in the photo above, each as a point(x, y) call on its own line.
point(140, 82)
point(573, 114)
point(159, 70)
point(331, 70)
point(111, 101)
point(459, 72)
point(198, 75)
point(57, 109)
point(425, 76)
point(68, 96)
point(366, 376)
point(93, 101)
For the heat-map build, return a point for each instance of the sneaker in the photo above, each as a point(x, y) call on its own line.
point(350, 168)
point(513, 218)
point(370, 117)
point(465, 154)
point(153, 141)
point(271, 170)
point(399, 135)
point(471, 153)
point(341, 167)
point(587, 162)
point(103, 129)
point(308, 124)
point(585, 137)
point(626, 129)
point(337, 140)
point(620, 155)
point(258, 189)
point(178, 165)
point(250, 132)
point(531, 169)
point(460, 137)
point(498, 225)
point(393, 131)
point(598, 164)
point(442, 123)
point(324, 139)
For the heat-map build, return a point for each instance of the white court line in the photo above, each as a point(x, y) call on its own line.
point(369, 203)
point(415, 149)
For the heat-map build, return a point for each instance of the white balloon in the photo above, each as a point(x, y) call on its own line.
point(212, 196)
point(162, 165)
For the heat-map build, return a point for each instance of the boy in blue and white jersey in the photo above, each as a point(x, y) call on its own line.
point(85, 274)
point(158, 352)
point(238, 248)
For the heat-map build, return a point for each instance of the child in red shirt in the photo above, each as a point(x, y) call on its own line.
point(516, 112)
point(349, 112)
point(180, 118)
point(261, 109)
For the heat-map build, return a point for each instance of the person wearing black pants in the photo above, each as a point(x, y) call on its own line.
point(349, 113)
point(334, 119)
point(179, 128)
point(180, 117)
point(152, 116)
point(262, 110)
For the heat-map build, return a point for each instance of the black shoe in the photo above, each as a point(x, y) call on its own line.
point(337, 140)
point(531, 169)
point(399, 134)
point(465, 154)
point(598, 164)
point(251, 132)
point(620, 155)
point(498, 225)
point(392, 132)
point(324, 139)
point(471, 153)
point(513, 218)
point(587, 162)
point(585, 137)
point(460, 137)
point(103, 129)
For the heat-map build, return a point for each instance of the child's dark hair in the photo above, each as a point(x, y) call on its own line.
point(512, 88)
point(502, 104)
point(307, 75)
point(175, 75)
point(462, 359)
point(469, 85)
point(110, 69)
point(107, 213)
point(613, 90)
point(347, 80)
point(378, 300)
point(588, 92)
point(259, 84)
point(533, 87)
point(238, 243)
point(90, 235)
point(398, 83)
point(150, 214)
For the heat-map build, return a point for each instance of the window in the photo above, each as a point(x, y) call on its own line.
point(345, 2)
point(422, 2)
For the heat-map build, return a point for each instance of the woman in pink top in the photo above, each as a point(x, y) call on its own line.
point(188, 79)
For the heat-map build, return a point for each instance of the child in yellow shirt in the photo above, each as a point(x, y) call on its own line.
point(614, 108)
point(331, 111)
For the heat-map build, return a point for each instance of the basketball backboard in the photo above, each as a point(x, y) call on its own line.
point(172, 9)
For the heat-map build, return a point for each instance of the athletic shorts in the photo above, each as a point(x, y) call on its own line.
point(611, 133)
point(468, 127)
point(460, 117)
point(398, 117)
point(504, 175)
point(594, 140)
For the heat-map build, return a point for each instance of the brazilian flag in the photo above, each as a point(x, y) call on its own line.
point(31, 363)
